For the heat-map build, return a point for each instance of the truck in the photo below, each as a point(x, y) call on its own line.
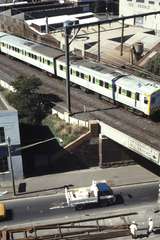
point(98, 194)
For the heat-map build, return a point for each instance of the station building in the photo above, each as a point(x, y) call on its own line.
point(131, 7)
point(9, 128)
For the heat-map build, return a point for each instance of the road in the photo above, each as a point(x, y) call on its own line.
point(40, 208)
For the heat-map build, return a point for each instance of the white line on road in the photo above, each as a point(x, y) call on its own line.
point(57, 207)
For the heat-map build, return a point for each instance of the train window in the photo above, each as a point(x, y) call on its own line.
point(137, 96)
point(101, 83)
point(128, 93)
point(89, 78)
point(48, 62)
point(120, 90)
point(106, 85)
point(145, 100)
point(153, 100)
point(77, 74)
point(82, 75)
point(110, 86)
point(93, 79)
point(71, 70)
point(61, 67)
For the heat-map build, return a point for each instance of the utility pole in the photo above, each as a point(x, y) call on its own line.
point(11, 165)
point(67, 31)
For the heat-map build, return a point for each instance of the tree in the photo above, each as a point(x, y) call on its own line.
point(27, 100)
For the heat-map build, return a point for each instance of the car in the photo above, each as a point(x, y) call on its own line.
point(2, 211)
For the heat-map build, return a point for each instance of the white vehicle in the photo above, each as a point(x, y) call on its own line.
point(98, 194)
point(136, 93)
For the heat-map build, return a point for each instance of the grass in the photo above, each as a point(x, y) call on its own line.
point(63, 130)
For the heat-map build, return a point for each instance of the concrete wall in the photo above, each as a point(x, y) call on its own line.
point(133, 7)
point(9, 120)
point(19, 28)
point(93, 148)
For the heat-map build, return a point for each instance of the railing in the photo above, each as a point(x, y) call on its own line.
point(91, 228)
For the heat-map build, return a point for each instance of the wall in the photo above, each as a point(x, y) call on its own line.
point(132, 7)
point(9, 120)
point(18, 27)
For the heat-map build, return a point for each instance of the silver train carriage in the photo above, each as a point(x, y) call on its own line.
point(135, 92)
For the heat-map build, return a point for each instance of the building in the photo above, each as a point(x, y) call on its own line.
point(43, 25)
point(9, 127)
point(131, 7)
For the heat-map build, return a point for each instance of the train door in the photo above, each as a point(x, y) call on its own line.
point(137, 96)
point(145, 108)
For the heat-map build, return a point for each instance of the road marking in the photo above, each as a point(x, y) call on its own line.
point(57, 207)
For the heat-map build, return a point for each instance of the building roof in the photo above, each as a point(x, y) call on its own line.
point(110, 41)
point(59, 19)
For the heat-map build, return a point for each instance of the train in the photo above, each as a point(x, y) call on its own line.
point(137, 93)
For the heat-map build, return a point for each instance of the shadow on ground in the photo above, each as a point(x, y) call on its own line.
point(46, 158)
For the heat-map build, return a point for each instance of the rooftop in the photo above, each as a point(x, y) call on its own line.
point(61, 19)
point(110, 41)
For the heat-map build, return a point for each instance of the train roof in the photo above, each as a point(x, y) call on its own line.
point(126, 81)
point(138, 84)
point(92, 67)
point(30, 45)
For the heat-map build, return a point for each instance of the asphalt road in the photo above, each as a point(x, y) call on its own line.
point(40, 208)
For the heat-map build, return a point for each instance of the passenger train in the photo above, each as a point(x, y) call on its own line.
point(137, 93)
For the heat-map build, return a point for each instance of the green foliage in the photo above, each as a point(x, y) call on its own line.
point(154, 65)
point(62, 129)
point(27, 100)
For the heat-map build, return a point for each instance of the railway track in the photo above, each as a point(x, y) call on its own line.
point(146, 130)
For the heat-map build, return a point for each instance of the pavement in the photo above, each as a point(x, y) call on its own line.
point(51, 183)
point(120, 176)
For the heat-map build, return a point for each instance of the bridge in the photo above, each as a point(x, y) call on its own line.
point(141, 147)
point(143, 140)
